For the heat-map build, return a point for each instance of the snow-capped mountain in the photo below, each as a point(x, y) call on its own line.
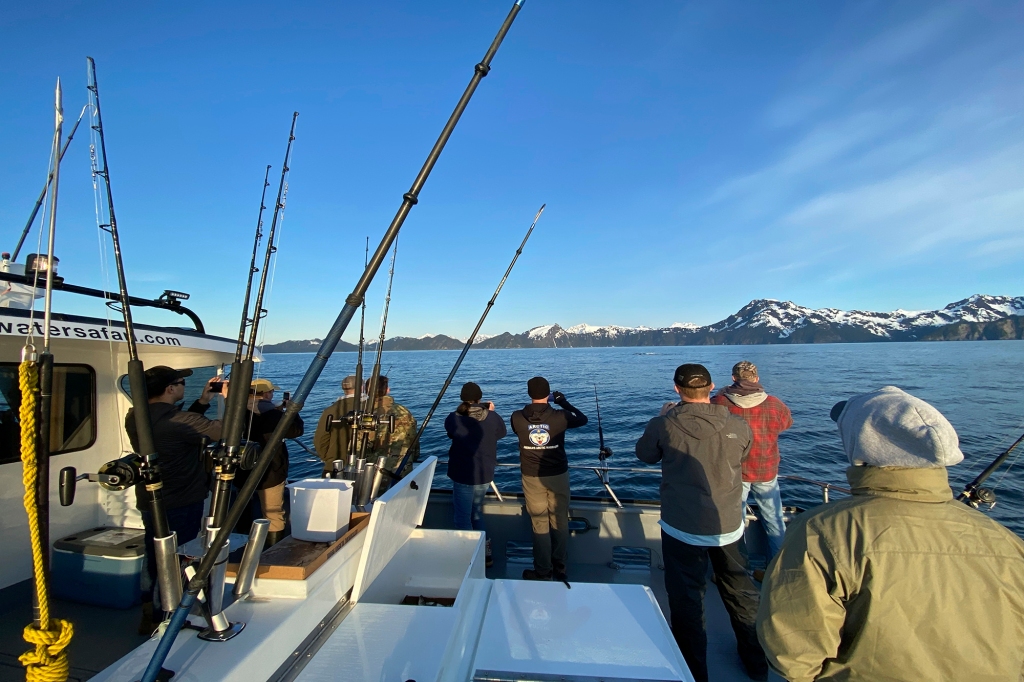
point(760, 321)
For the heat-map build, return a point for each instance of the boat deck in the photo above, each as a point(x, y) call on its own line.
point(608, 545)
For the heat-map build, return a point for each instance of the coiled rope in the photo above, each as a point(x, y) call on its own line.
point(49, 661)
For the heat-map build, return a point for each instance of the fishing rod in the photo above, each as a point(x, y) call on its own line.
point(362, 337)
point(323, 354)
point(973, 494)
point(49, 179)
point(368, 478)
point(229, 453)
point(40, 615)
point(252, 267)
point(465, 349)
point(603, 454)
point(146, 467)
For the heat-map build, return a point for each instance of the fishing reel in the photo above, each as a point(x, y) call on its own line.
point(363, 421)
point(979, 496)
point(115, 475)
point(214, 455)
point(604, 453)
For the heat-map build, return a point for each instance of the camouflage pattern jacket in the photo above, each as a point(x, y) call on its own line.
point(334, 444)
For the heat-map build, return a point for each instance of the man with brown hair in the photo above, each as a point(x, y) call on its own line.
point(767, 417)
point(701, 448)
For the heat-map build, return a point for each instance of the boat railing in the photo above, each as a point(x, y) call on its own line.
point(603, 475)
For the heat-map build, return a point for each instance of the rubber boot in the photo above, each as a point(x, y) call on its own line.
point(274, 537)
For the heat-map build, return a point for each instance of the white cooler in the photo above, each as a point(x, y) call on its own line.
point(320, 509)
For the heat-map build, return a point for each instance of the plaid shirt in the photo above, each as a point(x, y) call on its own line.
point(766, 421)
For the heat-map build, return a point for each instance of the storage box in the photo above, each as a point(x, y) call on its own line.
point(320, 509)
point(101, 566)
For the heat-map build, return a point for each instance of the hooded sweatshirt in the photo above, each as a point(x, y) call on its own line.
point(474, 451)
point(767, 417)
point(541, 431)
point(701, 448)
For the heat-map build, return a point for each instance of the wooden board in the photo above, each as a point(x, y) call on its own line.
point(293, 559)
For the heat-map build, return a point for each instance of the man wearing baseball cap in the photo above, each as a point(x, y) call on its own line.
point(701, 448)
point(177, 436)
point(270, 490)
point(899, 581)
point(331, 439)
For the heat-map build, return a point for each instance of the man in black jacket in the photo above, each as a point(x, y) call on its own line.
point(545, 468)
point(701, 448)
point(177, 436)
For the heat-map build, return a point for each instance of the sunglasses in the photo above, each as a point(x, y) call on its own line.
point(180, 382)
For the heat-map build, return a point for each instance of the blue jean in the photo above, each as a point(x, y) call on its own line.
point(769, 503)
point(468, 501)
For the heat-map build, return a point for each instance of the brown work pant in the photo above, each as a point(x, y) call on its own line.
point(547, 503)
point(272, 502)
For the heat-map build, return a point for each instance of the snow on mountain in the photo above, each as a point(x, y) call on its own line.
point(607, 331)
point(785, 317)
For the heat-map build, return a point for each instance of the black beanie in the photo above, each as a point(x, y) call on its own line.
point(471, 393)
point(538, 387)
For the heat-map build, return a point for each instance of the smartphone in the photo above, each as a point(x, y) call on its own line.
point(287, 396)
point(217, 387)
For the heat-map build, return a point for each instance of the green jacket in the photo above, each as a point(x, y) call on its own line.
point(334, 444)
point(898, 582)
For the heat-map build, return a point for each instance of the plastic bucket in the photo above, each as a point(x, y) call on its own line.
point(320, 509)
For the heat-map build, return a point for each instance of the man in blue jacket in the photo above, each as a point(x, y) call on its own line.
point(475, 429)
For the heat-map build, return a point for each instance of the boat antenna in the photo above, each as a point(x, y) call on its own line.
point(149, 468)
point(228, 455)
point(465, 349)
point(252, 267)
point(42, 195)
point(973, 494)
point(316, 367)
point(362, 338)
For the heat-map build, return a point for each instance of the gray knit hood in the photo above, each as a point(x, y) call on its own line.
point(891, 428)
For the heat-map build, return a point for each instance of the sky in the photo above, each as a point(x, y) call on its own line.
point(693, 156)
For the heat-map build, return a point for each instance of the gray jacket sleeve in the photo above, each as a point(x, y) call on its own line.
point(648, 448)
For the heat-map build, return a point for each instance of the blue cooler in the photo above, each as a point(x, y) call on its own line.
point(101, 566)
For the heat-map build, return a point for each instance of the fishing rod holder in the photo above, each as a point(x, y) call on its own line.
point(219, 628)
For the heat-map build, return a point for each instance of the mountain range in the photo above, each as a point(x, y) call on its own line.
point(762, 321)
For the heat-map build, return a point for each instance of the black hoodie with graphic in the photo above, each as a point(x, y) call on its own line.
point(701, 448)
point(541, 431)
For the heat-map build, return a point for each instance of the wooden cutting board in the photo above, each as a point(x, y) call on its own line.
point(293, 559)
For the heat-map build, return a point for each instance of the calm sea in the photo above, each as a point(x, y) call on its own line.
point(970, 382)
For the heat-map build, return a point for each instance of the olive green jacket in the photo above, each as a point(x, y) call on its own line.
point(332, 444)
point(898, 582)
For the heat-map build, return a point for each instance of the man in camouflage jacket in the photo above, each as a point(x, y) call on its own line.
point(396, 443)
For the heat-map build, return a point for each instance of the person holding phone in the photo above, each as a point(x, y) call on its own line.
point(475, 429)
point(545, 468)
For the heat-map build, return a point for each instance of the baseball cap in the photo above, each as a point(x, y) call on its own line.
point(158, 378)
point(349, 383)
point(692, 376)
point(263, 385)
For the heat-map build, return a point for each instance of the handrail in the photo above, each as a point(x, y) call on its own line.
point(169, 300)
point(602, 471)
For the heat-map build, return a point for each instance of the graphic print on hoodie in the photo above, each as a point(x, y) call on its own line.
point(541, 432)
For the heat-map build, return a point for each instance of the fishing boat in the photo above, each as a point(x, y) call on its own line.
point(396, 594)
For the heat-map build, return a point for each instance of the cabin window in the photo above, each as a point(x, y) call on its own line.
point(193, 384)
point(72, 416)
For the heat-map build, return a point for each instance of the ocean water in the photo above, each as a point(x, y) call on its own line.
point(972, 383)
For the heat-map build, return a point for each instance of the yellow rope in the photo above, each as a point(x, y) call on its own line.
point(49, 661)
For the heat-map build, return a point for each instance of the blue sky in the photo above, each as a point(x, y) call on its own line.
point(693, 156)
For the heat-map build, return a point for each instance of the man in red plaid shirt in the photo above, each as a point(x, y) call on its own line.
point(767, 417)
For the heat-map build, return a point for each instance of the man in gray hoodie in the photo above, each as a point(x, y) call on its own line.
point(701, 448)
